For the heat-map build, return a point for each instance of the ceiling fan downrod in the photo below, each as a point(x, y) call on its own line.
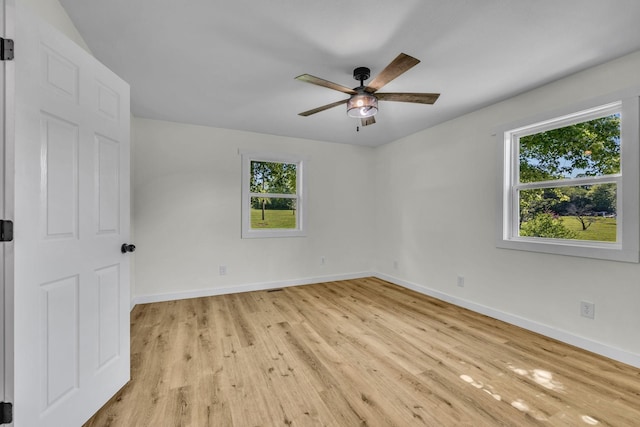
point(361, 74)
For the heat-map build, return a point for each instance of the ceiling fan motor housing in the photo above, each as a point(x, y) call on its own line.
point(361, 74)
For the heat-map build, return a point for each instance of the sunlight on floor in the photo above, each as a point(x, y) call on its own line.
point(590, 420)
point(539, 376)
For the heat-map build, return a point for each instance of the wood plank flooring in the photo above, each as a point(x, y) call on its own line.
point(357, 353)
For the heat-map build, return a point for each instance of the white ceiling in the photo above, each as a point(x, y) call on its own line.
point(231, 64)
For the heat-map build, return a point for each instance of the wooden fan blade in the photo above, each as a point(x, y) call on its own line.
point(401, 64)
point(324, 107)
point(419, 98)
point(368, 121)
point(324, 83)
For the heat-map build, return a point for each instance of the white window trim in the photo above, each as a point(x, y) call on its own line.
point(300, 230)
point(628, 186)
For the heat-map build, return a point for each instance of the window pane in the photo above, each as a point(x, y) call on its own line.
point(273, 212)
point(586, 212)
point(272, 177)
point(590, 148)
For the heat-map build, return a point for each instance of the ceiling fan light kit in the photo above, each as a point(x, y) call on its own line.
point(362, 103)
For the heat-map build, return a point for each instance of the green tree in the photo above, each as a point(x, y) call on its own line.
point(261, 173)
point(590, 148)
point(581, 207)
point(272, 178)
point(546, 225)
point(540, 200)
point(604, 198)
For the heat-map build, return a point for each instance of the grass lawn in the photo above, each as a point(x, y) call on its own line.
point(273, 218)
point(602, 230)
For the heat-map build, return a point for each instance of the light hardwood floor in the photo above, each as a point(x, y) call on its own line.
point(357, 353)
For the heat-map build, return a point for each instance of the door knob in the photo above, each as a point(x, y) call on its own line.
point(127, 248)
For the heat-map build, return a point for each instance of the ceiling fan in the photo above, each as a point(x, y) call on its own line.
point(363, 100)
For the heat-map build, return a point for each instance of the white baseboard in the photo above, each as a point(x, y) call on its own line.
point(546, 330)
point(248, 287)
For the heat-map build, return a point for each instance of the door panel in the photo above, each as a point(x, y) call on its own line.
point(108, 102)
point(108, 314)
point(60, 74)
point(60, 331)
point(108, 185)
point(72, 200)
point(60, 177)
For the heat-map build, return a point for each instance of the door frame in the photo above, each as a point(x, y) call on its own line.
point(7, 189)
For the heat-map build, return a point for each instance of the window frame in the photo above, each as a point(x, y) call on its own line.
point(300, 196)
point(626, 248)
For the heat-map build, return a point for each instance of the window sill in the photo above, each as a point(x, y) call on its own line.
point(596, 250)
point(262, 234)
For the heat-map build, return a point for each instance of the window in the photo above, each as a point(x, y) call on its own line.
point(272, 196)
point(570, 183)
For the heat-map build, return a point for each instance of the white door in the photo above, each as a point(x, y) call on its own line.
point(71, 282)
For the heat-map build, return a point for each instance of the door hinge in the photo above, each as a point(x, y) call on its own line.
point(6, 230)
point(6, 49)
point(6, 413)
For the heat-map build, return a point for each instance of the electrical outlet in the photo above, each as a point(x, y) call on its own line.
point(461, 281)
point(587, 309)
point(223, 270)
point(395, 265)
point(322, 260)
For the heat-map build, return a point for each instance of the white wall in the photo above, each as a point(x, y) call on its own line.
point(187, 184)
point(53, 12)
point(438, 193)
